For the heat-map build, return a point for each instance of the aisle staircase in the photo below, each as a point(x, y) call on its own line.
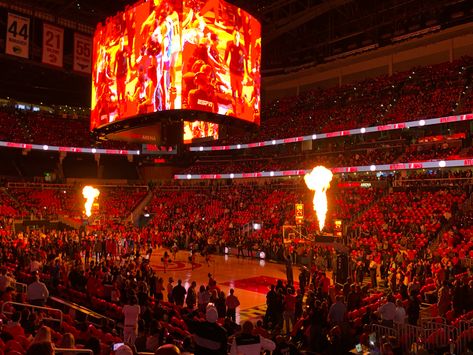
point(138, 210)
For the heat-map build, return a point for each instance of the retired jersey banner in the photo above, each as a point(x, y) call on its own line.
point(18, 36)
point(53, 45)
point(82, 53)
point(299, 213)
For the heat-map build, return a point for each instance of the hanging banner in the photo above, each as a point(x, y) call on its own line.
point(18, 36)
point(299, 213)
point(82, 53)
point(53, 45)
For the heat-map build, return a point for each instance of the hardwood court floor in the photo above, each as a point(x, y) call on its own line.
point(250, 277)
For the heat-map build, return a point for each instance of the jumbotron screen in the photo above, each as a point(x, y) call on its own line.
point(177, 54)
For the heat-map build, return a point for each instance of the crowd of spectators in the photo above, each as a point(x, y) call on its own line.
point(41, 127)
point(43, 201)
point(108, 270)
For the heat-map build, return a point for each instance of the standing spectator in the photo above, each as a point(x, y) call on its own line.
point(359, 273)
point(179, 293)
point(303, 279)
point(191, 298)
point(37, 292)
point(353, 299)
point(160, 289)
point(338, 311)
point(400, 314)
point(387, 311)
point(221, 305)
point(289, 271)
point(373, 273)
point(413, 310)
point(131, 312)
point(232, 303)
point(271, 305)
point(169, 289)
point(289, 310)
point(249, 344)
point(203, 298)
point(444, 303)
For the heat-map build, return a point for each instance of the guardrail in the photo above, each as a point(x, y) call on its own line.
point(409, 334)
point(89, 314)
point(27, 305)
point(72, 351)
point(431, 335)
point(465, 336)
point(439, 335)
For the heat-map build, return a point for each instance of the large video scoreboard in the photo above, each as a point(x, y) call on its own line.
point(165, 55)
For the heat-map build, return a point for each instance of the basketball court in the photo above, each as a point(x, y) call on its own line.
point(250, 277)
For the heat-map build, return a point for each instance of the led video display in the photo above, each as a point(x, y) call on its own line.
point(177, 54)
point(199, 129)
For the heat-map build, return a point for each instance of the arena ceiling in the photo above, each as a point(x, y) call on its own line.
point(298, 32)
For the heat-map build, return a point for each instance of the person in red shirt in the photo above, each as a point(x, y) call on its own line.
point(325, 283)
point(289, 309)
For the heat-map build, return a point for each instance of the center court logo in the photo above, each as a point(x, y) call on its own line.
point(175, 266)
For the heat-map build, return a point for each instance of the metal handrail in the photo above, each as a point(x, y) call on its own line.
point(74, 351)
point(27, 305)
point(82, 309)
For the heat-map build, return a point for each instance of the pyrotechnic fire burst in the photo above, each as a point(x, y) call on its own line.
point(318, 180)
point(90, 194)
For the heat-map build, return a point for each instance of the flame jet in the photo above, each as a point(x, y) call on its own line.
point(90, 194)
point(318, 180)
